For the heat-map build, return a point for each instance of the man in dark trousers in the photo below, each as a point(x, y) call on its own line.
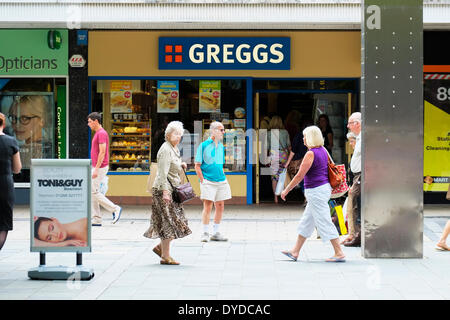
point(354, 194)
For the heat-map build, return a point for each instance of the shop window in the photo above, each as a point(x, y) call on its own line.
point(316, 84)
point(30, 107)
point(136, 114)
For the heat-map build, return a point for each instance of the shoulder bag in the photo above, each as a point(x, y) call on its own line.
point(337, 177)
point(182, 193)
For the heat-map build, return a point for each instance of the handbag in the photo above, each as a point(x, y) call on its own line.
point(182, 193)
point(280, 184)
point(337, 176)
point(334, 174)
point(341, 189)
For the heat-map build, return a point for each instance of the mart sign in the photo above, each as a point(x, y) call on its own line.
point(227, 53)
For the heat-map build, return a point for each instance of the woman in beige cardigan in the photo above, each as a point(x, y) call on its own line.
point(168, 221)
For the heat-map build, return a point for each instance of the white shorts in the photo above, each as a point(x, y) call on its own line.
point(215, 191)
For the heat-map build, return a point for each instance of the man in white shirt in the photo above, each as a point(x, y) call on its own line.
point(354, 194)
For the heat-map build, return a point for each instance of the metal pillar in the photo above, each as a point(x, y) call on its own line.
point(392, 129)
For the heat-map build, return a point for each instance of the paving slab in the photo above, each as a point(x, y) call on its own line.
point(247, 267)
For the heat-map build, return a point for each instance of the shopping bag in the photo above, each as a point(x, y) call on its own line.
point(337, 217)
point(341, 189)
point(341, 222)
point(336, 174)
point(280, 184)
point(103, 188)
point(152, 176)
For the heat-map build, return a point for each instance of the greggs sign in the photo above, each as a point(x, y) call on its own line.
point(227, 53)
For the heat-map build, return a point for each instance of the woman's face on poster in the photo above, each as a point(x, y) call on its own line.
point(26, 123)
point(52, 231)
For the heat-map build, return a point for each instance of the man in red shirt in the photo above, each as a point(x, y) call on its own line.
point(100, 161)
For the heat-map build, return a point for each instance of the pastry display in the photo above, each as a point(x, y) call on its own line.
point(130, 145)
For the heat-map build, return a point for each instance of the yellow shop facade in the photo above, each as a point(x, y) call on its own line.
point(141, 80)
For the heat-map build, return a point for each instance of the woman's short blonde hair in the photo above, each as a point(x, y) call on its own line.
point(173, 126)
point(313, 137)
point(276, 123)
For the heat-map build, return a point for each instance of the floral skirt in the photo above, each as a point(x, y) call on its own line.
point(167, 220)
point(277, 160)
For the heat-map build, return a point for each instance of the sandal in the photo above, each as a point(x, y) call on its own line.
point(169, 261)
point(440, 247)
point(157, 250)
point(335, 259)
point(290, 255)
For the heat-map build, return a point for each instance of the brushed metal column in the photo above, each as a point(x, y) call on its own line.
point(392, 129)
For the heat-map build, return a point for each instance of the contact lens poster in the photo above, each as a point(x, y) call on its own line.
point(168, 93)
point(60, 207)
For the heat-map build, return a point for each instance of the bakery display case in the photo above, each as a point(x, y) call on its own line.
point(233, 142)
point(130, 145)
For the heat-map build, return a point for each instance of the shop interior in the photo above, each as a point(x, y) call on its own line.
point(136, 113)
point(299, 103)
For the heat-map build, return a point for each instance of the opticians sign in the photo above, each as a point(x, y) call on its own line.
point(227, 53)
point(34, 52)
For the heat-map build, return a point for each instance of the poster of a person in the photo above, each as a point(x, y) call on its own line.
point(60, 210)
point(50, 232)
point(32, 124)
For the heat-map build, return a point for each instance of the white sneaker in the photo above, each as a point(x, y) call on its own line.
point(218, 237)
point(116, 215)
point(204, 237)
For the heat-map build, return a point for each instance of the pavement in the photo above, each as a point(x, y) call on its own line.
point(247, 267)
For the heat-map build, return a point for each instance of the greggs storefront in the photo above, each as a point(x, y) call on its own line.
point(142, 80)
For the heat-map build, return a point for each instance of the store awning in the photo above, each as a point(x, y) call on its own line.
point(195, 14)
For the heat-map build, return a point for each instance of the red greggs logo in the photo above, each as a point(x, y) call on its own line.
point(173, 53)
